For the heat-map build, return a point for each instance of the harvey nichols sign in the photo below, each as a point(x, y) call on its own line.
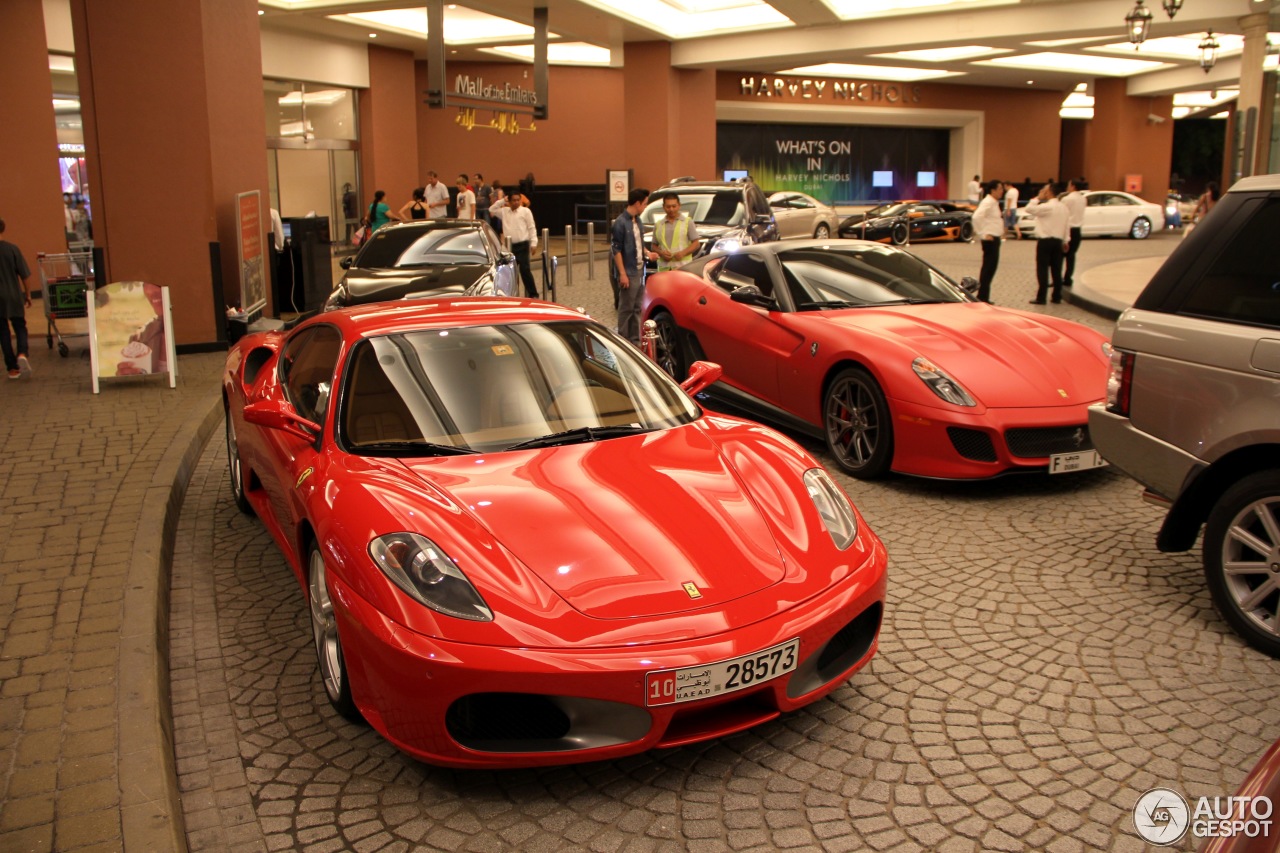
point(828, 90)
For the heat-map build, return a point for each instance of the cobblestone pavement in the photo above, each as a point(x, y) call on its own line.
point(87, 491)
point(1041, 665)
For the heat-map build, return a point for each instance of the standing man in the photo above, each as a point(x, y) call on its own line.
point(1052, 234)
point(988, 225)
point(628, 258)
point(975, 190)
point(484, 195)
point(1011, 210)
point(675, 236)
point(518, 225)
point(466, 199)
point(15, 299)
point(1074, 201)
point(437, 197)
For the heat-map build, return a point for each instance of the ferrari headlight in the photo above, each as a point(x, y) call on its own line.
point(420, 568)
point(940, 383)
point(833, 507)
point(727, 244)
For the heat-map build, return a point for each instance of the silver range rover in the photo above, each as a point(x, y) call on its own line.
point(1193, 403)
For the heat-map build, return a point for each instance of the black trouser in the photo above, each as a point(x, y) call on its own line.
point(1049, 267)
point(521, 251)
point(990, 260)
point(1071, 257)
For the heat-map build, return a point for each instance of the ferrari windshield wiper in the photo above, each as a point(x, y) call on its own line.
point(412, 447)
point(914, 300)
point(572, 436)
point(828, 303)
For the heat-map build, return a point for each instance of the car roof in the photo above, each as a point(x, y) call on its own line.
point(1256, 183)
point(381, 318)
point(432, 224)
point(704, 185)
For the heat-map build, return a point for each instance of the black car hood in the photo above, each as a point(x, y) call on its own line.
point(363, 286)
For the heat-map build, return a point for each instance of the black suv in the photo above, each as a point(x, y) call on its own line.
point(729, 214)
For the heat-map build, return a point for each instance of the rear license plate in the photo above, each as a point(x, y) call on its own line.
point(671, 686)
point(1062, 463)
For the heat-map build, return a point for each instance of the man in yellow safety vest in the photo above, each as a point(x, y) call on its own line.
point(675, 238)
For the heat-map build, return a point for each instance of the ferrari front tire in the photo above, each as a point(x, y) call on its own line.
point(899, 233)
point(324, 631)
point(857, 424)
point(668, 349)
point(236, 468)
point(1242, 559)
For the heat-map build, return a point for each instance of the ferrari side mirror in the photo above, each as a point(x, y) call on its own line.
point(969, 285)
point(701, 375)
point(276, 414)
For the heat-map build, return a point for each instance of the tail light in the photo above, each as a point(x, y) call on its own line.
point(1120, 383)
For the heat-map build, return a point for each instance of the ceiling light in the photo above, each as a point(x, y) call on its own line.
point(1096, 66)
point(1171, 7)
point(261, 12)
point(558, 53)
point(944, 54)
point(892, 74)
point(1208, 52)
point(373, 35)
point(1185, 47)
point(1138, 22)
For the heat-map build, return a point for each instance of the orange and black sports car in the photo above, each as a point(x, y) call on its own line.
point(897, 221)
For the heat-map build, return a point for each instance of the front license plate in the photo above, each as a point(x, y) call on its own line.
point(1062, 463)
point(670, 686)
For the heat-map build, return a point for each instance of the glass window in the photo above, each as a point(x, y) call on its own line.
point(421, 246)
point(487, 388)
point(307, 364)
point(741, 269)
point(705, 207)
point(297, 111)
point(1243, 283)
point(878, 275)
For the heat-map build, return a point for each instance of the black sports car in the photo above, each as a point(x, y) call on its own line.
point(433, 257)
point(920, 220)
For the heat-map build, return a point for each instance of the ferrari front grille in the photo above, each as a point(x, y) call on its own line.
point(1036, 442)
point(972, 444)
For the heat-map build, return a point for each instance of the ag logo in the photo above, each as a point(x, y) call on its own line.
point(1161, 816)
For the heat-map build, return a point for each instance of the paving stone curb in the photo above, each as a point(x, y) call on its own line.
point(151, 812)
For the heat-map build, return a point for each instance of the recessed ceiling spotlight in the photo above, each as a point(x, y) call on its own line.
point(261, 12)
point(373, 35)
point(1031, 82)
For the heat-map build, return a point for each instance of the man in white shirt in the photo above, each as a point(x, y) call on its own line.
point(988, 228)
point(466, 199)
point(1052, 234)
point(1074, 201)
point(1011, 210)
point(518, 225)
point(975, 190)
point(437, 197)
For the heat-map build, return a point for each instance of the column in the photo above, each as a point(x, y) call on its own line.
point(1129, 136)
point(172, 103)
point(1254, 160)
point(30, 188)
point(669, 116)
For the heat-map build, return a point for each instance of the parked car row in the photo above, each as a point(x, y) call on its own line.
point(1110, 213)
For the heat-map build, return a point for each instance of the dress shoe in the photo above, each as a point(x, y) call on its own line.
point(1037, 301)
point(1054, 301)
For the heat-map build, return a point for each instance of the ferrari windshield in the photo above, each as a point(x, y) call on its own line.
point(704, 206)
point(417, 246)
point(846, 277)
point(488, 388)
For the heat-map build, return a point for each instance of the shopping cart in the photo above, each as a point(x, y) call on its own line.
point(65, 280)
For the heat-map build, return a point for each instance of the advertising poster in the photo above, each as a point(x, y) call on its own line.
point(130, 331)
point(253, 282)
point(838, 164)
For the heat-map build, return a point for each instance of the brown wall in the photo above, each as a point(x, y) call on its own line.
point(30, 190)
point(694, 137)
point(1075, 141)
point(581, 138)
point(1122, 141)
point(1021, 133)
point(389, 128)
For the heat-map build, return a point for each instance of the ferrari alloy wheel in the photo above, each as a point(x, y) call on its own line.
point(324, 630)
point(1140, 229)
point(898, 233)
point(859, 430)
point(822, 232)
point(667, 350)
point(236, 468)
point(966, 231)
point(1242, 559)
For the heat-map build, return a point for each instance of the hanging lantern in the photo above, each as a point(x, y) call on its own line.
point(1171, 7)
point(1208, 51)
point(1139, 23)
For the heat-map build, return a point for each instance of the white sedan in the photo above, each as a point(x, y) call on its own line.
point(800, 215)
point(1111, 212)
